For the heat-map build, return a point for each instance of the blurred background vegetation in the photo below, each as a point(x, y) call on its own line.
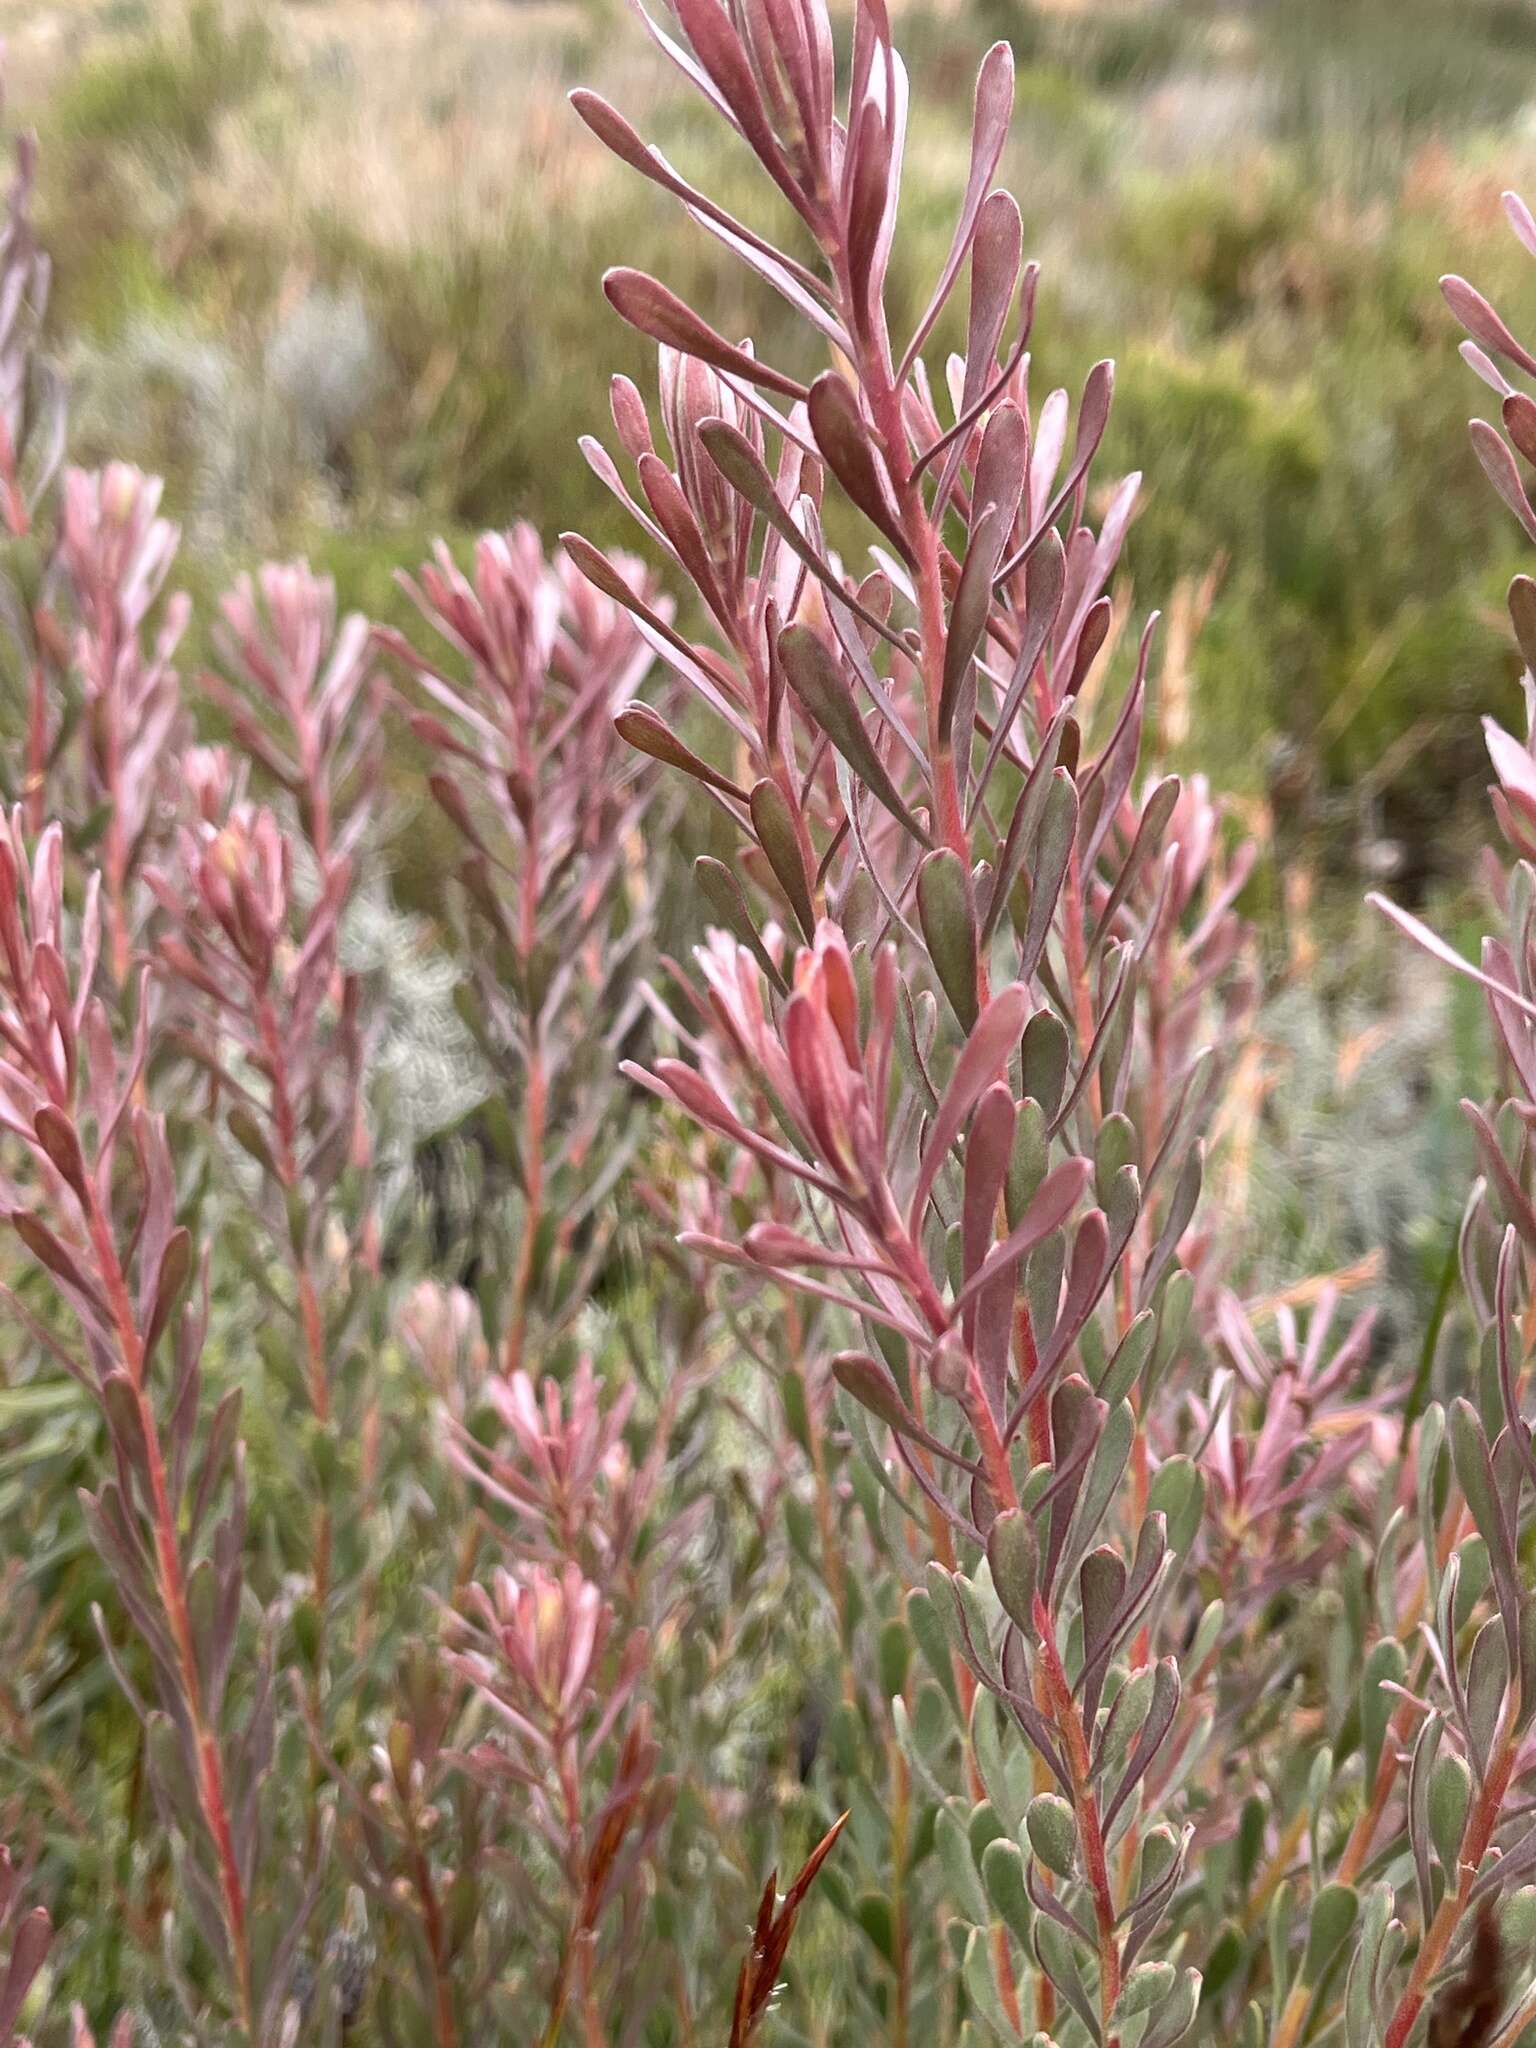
point(333, 267)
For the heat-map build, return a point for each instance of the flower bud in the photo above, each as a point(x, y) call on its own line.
point(949, 1365)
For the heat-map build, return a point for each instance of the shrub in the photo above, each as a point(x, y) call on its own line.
point(861, 1465)
point(968, 1037)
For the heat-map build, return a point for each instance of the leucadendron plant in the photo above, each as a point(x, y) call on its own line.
point(339, 1771)
point(937, 1007)
point(508, 1820)
point(951, 1054)
point(514, 696)
point(1466, 1687)
point(96, 1209)
point(84, 557)
point(251, 899)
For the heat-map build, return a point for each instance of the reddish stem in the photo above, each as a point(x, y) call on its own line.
point(173, 1596)
point(535, 1085)
point(1477, 1835)
point(432, 1921)
point(1090, 1833)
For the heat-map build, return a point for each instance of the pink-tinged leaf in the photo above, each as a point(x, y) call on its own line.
point(679, 1083)
point(1502, 472)
point(1090, 566)
point(774, 34)
point(1156, 812)
point(817, 26)
point(223, 1436)
point(744, 470)
point(1522, 616)
point(875, 592)
point(870, 1382)
point(1090, 643)
point(989, 132)
point(1077, 1424)
point(56, 1134)
point(603, 576)
point(818, 682)
point(646, 731)
point(29, 1950)
point(695, 1095)
point(968, 619)
point(871, 48)
point(775, 1244)
point(718, 47)
point(450, 800)
point(1092, 418)
point(88, 944)
point(845, 441)
point(995, 257)
point(1512, 1196)
point(606, 470)
point(863, 1309)
point(1520, 219)
point(1475, 1474)
point(817, 1064)
point(175, 1265)
point(1050, 444)
point(785, 276)
point(675, 517)
point(742, 467)
point(987, 1152)
point(866, 178)
point(987, 1318)
point(988, 397)
point(439, 737)
point(689, 662)
point(983, 1058)
point(1519, 416)
point(687, 63)
point(774, 823)
point(53, 978)
point(1436, 947)
point(1000, 465)
point(631, 421)
point(51, 1253)
point(1088, 1274)
point(878, 87)
point(1059, 738)
point(726, 898)
point(1484, 366)
point(125, 1418)
point(797, 283)
point(647, 305)
point(1050, 1206)
point(1044, 583)
point(1482, 322)
point(1511, 762)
